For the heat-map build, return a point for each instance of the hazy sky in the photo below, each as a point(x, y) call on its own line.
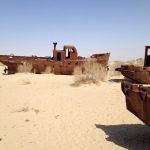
point(121, 27)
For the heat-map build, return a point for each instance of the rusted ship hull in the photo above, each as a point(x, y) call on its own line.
point(34, 66)
point(59, 64)
point(57, 67)
point(138, 74)
point(137, 100)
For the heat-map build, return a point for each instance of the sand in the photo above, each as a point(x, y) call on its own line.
point(46, 112)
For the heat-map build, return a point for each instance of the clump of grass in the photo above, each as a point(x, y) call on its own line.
point(24, 67)
point(36, 110)
point(27, 120)
point(23, 109)
point(27, 109)
point(90, 72)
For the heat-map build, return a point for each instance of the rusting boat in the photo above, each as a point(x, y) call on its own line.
point(137, 99)
point(140, 74)
point(137, 89)
point(63, 61)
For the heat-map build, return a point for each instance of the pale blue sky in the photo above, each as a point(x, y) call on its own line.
point(94, 26)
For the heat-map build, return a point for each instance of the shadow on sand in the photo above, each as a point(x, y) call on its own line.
point(75, 84)
point(116, 80)
point(129, 136)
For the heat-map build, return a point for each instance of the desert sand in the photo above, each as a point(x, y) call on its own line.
point(47, 112)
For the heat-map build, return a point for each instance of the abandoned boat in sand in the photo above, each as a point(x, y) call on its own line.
point(140, 74)
point(137, 89)
point(63, 61)
point(137, 99)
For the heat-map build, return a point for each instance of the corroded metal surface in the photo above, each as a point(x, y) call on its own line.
point(138, 95)
point(63, 61)
point(137, 100)
point(140, 74)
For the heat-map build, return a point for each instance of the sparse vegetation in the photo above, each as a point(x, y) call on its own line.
point(47, 70)
point(36, 110)
point(90, 72)
point(23, 109)
point(27, 109)
point(25, 67)
point(27, 120)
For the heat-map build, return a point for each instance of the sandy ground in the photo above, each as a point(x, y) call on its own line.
point(46, 112)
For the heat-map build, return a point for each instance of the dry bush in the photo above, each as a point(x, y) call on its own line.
point(25, 67)
point(90, 72)
point(36, 110)
point(112, 66)
point(47, 70)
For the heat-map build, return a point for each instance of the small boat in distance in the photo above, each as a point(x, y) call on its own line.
point(63, 61)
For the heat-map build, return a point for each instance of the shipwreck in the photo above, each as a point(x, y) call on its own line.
point(137, 88)
point(140, 74)
point(137, 99)
point(63, 61)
